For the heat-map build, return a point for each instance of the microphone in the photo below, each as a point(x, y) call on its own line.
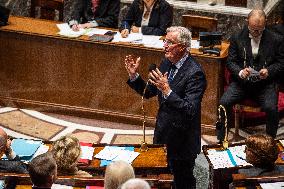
point(144, 146)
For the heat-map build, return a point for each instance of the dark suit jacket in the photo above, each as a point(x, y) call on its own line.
point(270, 55)
point(106, 15)
point(178, 121)
point(13, 166)
point(160, 19)
point(256, 171)
point(279, 28)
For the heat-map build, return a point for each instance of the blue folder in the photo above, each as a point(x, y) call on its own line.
point(25, 148)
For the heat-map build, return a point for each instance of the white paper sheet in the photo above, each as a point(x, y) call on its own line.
point(59, 186)
point(275, 185)
point(66, 31)
point(87, 152)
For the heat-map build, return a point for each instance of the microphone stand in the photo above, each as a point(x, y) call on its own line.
point(225, 141)
point(144, 147)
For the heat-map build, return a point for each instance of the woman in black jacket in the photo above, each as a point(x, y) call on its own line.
point(149, 17)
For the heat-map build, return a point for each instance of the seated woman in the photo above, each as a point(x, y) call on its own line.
point(66, 151)
point(261, 151)
point(149, 17)
point(93, 13)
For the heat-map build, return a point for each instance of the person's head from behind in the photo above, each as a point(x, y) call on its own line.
point(177, 43)
point(66, 151)
point(136, 183)
point(261, 151)
point(3, 140)
point(256, 22)
point(43, 170)
point(117, 173)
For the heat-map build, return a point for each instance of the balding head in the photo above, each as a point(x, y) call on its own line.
point(3, 140)
point(256, 22)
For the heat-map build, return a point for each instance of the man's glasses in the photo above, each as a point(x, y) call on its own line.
point(251, 30)
point(168, 42)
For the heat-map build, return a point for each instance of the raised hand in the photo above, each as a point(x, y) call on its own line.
point(131, 65)
point(160, 81)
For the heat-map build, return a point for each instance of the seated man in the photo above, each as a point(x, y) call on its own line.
point(13, 164)
point(261, 151)
point(93, 13)
point(255, 60)
point(43, 171)
point(117, 173)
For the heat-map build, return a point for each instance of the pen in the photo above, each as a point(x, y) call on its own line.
point(241, 157)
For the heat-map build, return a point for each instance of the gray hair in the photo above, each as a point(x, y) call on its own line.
point(136, 183)
point(184, 35)
point(117, 173)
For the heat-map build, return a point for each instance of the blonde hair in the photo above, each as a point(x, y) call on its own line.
point(66, 151)
point(117, 173)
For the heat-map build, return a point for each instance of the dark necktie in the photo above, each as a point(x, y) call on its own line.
point(172, 73)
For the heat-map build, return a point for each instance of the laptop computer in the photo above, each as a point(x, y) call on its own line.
point(4, 15)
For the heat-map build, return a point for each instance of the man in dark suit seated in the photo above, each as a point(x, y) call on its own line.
point(93, 13)
point(13, 164)
point(180, 84)
point(43, 171)
point(254, 61)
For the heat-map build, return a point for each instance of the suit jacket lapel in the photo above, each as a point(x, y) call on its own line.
point(179, 75)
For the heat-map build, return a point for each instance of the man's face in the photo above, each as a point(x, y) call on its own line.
point(173, 49)
point(256, 26)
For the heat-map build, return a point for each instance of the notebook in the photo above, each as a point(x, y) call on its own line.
point(101, 38)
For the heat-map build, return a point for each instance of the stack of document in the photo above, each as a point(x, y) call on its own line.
point(232, 157)
point(66, 31)
point(115, 153)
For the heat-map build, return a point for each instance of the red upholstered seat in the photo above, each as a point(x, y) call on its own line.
point(248, 111)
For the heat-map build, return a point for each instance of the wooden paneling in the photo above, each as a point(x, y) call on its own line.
point(41, 70)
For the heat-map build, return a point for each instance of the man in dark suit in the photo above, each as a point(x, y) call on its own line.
point(43, 171)
point(255, 60)
point(93, 13)
point(180, 84)
point(13, 164)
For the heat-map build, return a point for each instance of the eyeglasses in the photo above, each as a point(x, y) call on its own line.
point(251, 30)
point(168, 42)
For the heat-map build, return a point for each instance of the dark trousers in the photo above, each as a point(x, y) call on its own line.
point(183, 173)
point(265, 94)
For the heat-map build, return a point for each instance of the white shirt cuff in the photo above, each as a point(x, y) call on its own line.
point(94, 23)
point(167, 95)
point(240, 74)
point(134, 78)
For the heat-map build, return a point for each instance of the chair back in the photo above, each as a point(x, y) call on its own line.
point(199, 24)
point(48, 9)
point(236, 3)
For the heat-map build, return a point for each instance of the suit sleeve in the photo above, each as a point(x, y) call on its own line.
point(110, 20)
point(190, 104)
point(139, 84)
point(233, 58)
point(78, 6)
point(277, 67)
point(165, 21)
point(129, 19)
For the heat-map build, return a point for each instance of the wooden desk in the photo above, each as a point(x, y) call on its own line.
point(44, 71)
point(221, 178)
point(153, 161)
